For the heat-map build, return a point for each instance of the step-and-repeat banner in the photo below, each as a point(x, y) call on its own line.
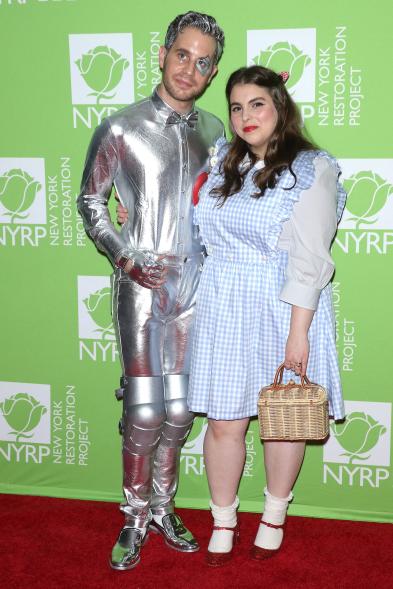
point(67, 64)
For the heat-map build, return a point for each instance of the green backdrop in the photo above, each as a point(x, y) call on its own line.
point(66, 64)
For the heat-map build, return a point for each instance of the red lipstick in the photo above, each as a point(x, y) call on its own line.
point(249, 129)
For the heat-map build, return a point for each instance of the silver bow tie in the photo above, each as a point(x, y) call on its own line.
point(175, 119)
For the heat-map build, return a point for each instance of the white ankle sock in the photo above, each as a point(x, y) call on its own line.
point(222, 540)
point(274, 513)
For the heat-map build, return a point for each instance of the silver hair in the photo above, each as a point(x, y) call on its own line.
point(205, 23)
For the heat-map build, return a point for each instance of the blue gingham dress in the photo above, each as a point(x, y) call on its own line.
point(241, 325)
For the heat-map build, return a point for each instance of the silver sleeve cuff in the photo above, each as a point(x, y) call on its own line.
point(300, 295)
point(108, 243)
point(125, 252)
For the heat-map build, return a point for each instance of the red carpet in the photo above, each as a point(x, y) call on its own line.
point(55, 543)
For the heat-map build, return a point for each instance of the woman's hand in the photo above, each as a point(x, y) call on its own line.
point(297, 347)
point(296, 353)
point(121, 212)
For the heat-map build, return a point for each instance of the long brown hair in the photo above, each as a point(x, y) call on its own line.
point(284, 145)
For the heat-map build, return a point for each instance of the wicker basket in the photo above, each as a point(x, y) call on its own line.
point(293, 411)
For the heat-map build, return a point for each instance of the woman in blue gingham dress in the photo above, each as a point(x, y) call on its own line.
point(242, 323)
point(264, 294)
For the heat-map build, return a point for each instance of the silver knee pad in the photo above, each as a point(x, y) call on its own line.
point(178, 423)
point(178, 418)
point(143, 414)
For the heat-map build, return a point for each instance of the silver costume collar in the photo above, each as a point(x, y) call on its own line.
point(164, 110)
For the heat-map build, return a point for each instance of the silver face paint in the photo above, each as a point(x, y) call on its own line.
point(203, 65)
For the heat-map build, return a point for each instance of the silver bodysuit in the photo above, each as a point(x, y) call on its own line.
point(152, 156)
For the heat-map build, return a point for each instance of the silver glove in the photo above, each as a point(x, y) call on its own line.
point(147, 269)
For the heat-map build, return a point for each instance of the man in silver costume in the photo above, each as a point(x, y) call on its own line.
point(152, 152)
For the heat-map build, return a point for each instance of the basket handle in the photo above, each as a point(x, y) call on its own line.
point(279, 374)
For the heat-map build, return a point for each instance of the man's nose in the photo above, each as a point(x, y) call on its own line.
point(189, 68)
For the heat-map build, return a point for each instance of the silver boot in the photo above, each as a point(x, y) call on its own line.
point(126, 552)
point(175, 533)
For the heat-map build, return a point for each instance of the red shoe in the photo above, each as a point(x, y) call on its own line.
point(217, 559)
point(258, 553)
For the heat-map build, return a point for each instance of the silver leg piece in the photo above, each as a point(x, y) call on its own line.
point(166, 466)
point(174, 432)
point(142, 422)
point(143, 419)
